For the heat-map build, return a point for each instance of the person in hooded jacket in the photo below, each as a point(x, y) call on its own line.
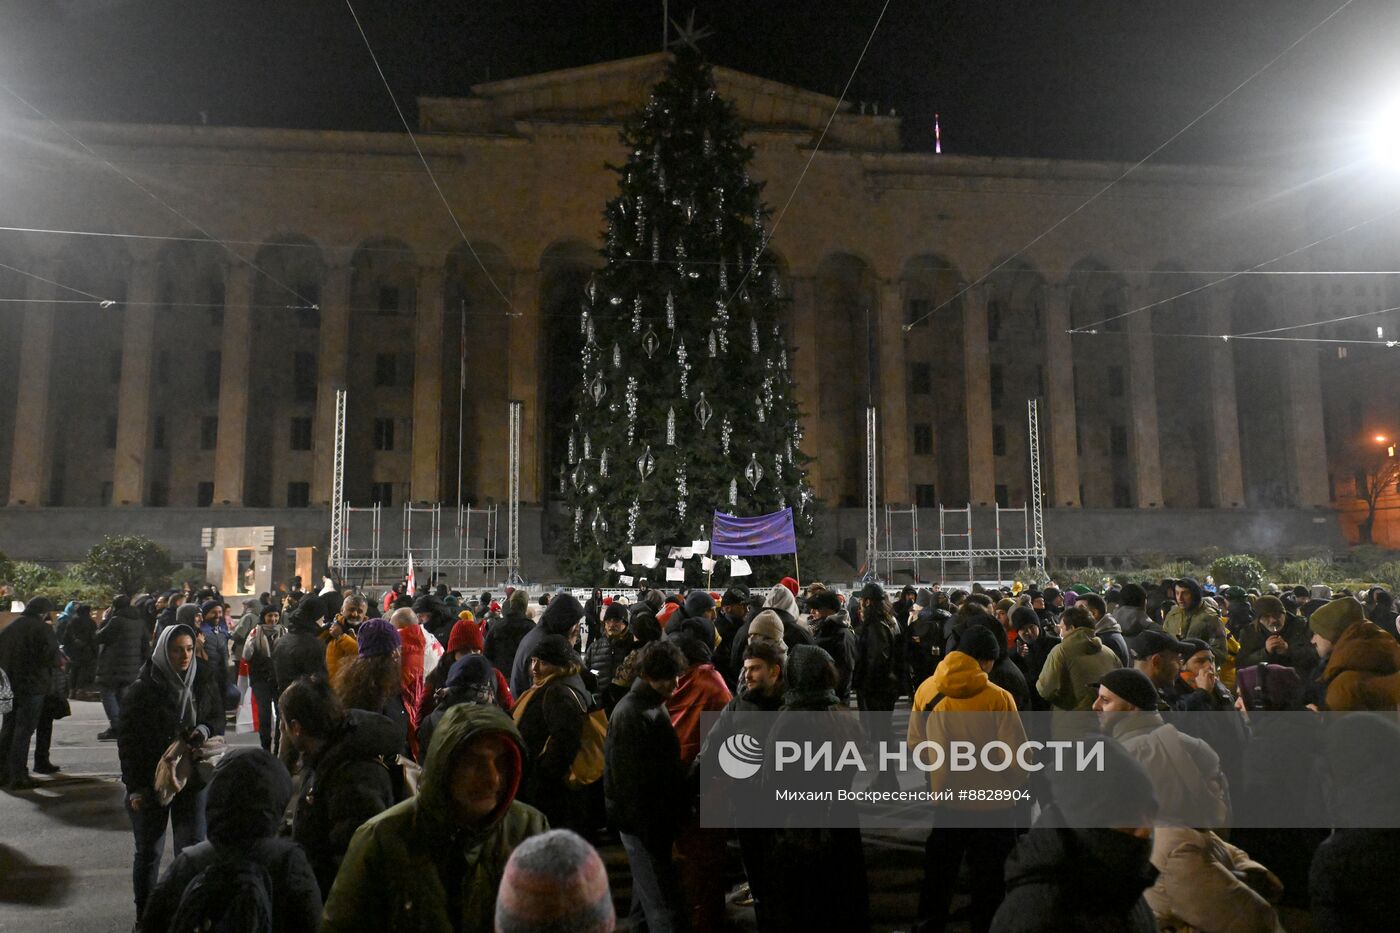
point(248, 794)
point(123, 647)
point(1352, 880)
point(550, 717)
point(436, 860)
point(1004, 673)
point(1191, 618)
point(464, 642)
point(78, 639)
point(831, 628)
point(472, 679)
point(347, 760)
point(1131, 611)
point(174, 697)
point(300, 651)
point(1067, 875)
point(1074, 665)
point(924, 637)
point(503, 638)
point(258, 646)
point(1106, 627)
point(29, 655)
point(435, 617)
point(561, 617)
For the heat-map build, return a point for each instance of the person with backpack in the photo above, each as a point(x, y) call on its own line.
point(462, 825)
point(243, 878)
point(551, 717)
point(348, 771)
point(174, 697)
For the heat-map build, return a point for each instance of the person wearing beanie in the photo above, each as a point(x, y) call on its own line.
point(555, 883)
point(463, 824)
point(961, 683)
point(1363, 666)
point(780, 601)
point(1072, 871)
point(563, 616)
point(29, 656)
point(551, 718)
point(248, 795)
point(504, 636)
point(831, 628)
point(766, 626)
point(1077, 662)
point(473, 679)
point(1328, 621)
point(1131, 611)
point(607, 651)
point(300, 652)
point(465, 641)
point(1275, 636)
point(374, 680)
point(1124, 690)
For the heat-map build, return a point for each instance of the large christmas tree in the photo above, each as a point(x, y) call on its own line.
point(686, 399)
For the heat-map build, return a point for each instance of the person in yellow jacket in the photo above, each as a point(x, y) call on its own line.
point(960, 703)
point(341, 645)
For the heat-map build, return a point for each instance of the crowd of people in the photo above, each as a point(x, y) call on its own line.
point(443, 761)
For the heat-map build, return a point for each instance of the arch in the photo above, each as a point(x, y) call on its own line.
point(848, 347)
point(87, 369)
point(1102, 386)
point(565, 268)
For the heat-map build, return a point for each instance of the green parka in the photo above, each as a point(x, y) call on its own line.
point(401, 864)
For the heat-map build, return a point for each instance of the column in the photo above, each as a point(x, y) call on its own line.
point(894, 397)
point(1059, 389)
point(526, 352)
point(33, 452)
point(1142, 390)
point(977, 384)
point(1225, 416)
point(129, 471)
point(332, 362)
point(1306, 439)
point(427, 387)
point(231, 452)
point(806, 372)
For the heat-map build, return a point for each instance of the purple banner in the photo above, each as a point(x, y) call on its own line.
point(753, 537)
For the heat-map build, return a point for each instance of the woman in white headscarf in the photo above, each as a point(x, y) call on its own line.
point(174, 697)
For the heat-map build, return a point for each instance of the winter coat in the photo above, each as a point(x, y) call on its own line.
point(346, 784)
point(550, 718)
point(559, 618)
point(1079, 660)
point(29, 655)
point(1352, 880)
point(440, 618)
point(1133, 621)
point(123, 647)
point(960, 685)
point(782, 602)
point(300, 652)
point(1077, 881)
point(878, 659)
point(699, 690)
point(79, 638)
point(503, 640)
point(1110, 633)
point(339, 651)
point(1207, 884)
point(258, 648)
point(1185, 771)
point(605, 654)
point(1199, 622)
point(835, 636)
point(394, 875)
point(643, 781)
point(244, 810)
point(1363, 671)
point(1300, 654)
point(150, 721)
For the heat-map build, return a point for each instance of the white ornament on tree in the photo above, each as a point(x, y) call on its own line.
point(753, 472)
point(670, 427)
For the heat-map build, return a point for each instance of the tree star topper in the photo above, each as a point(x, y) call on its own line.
point(690, 34)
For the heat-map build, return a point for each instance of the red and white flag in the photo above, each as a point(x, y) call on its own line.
point(411, 587)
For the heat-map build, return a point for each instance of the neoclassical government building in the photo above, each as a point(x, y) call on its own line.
point(181, 302)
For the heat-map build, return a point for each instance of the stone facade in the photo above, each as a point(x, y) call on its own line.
point(153, 368)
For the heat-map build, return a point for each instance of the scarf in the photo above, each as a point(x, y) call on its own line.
point(181, 686)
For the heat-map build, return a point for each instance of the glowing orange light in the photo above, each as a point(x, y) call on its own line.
point(1380, 438)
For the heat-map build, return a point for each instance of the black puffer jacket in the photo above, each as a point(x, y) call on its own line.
point(503, 640)
point(247, 797)
point(150, 721)
point(29, 650)
point(559, 618)
point(346, 784)
point(123, 646)
point(300, 652)
point(643, 781)
point(1077, 881)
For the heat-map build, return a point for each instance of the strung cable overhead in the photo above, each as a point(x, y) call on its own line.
point(423, 159)
point(768, 235)
point(1093, 327)
point(153, 196)
point(1379, 342)
point(104, 302)
point(1130, 169)
point(1335, 320)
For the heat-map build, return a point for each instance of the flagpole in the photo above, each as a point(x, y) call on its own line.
point(796, 570)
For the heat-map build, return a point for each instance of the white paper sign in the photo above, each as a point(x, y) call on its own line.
point(676, 574)
point(644, 554)
point(685, 553)
point(738, 567)
point(700, 547)
point(707, 564)
point(618, 566)
point(625, 580)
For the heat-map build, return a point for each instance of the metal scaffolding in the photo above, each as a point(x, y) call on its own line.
point(336, 556)
point(513, 504)
point(872, 548)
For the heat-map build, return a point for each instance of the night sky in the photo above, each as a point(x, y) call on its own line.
point(1098, 79)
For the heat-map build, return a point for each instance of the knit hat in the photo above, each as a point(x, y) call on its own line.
point(697, 603)
point(378, 637)
point(1268, 606)
point(555, 881)
point(873, 591)
point(1334, 618)
point(465, 637)
point(804, 666)
point(790, 583)
point(1024, 617)
point(1190, 647)
point(979, 642)
point(562, 614)
point(616, 612)
point(767, 624)
point(825, 600)
point(554, 649)
point(208, 605)
point(1119, 795)
point(695, 650)
point(471, 671)
point(466, 614)
point(1132, 685)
